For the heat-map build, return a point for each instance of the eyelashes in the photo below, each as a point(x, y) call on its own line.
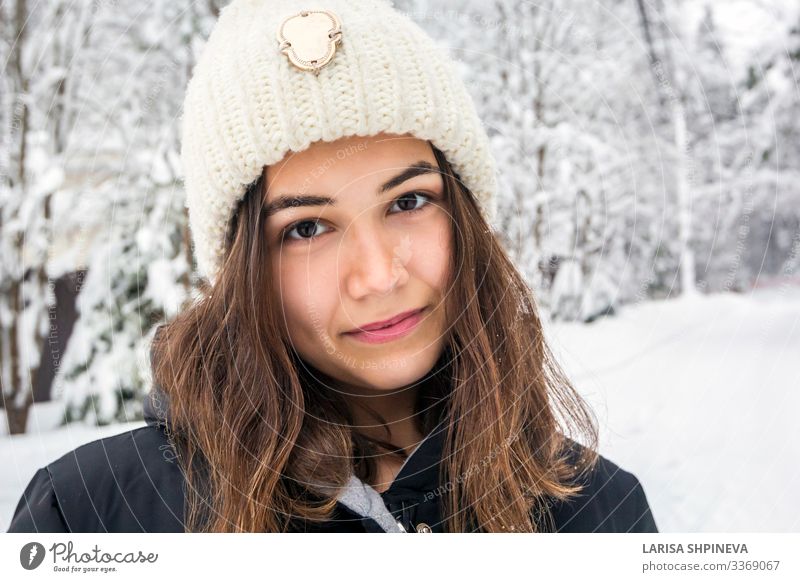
point(286, 238)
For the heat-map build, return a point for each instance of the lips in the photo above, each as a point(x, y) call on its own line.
point(375, 325)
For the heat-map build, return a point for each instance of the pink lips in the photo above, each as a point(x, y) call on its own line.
point(403, 325)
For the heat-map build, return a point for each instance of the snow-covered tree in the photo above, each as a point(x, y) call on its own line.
point(140, 267)
point(39, 42)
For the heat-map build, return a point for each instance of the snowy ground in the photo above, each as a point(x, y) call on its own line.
point(699, 399)
point(696, 397)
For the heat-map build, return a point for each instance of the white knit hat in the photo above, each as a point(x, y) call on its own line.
point(249, 102)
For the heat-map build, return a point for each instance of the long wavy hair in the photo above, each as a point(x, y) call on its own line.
point(257, 430)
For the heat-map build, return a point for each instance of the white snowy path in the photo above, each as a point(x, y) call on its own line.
point(699, 399)
point(696, 397)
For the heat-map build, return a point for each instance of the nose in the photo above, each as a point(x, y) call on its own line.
point(372, 261)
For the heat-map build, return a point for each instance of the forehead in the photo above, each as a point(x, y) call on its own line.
point(347, 160)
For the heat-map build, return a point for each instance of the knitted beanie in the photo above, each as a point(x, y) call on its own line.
point(276, 76)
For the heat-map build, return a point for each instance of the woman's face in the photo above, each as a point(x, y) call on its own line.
point(360, 233)
point(366, 238)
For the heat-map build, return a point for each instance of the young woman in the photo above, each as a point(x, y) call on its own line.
point(363, 355)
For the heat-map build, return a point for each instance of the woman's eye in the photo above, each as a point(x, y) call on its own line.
point(408, 200)
point(306, 228)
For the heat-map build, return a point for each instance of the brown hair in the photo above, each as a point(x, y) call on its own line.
point(255, 428)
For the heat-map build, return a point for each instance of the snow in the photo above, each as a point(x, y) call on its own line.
point(696, 396)
point(745, 25)
point(164, 284)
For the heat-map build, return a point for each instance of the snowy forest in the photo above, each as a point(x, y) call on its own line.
point(647, 149)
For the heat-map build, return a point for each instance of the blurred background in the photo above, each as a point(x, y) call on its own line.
point(649, 156)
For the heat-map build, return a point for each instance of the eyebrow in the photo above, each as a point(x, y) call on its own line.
point(296, 200)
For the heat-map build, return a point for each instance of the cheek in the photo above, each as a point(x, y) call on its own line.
point(308, 297)
point(431, 249)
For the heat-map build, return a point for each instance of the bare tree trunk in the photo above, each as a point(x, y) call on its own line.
point(538, 109)
point(671, 95)
point(20, 106)
point(687, 260)
point(15, 401)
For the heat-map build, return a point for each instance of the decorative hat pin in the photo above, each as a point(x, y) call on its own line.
point(309, 38)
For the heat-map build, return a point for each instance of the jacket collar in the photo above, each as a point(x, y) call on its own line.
point(413, 488)
point(155, 407)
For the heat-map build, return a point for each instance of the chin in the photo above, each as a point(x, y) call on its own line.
point(391, 373)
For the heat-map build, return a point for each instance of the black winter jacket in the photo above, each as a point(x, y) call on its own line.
point(131, 482)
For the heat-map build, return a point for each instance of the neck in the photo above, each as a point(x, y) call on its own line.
point(370, 408)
